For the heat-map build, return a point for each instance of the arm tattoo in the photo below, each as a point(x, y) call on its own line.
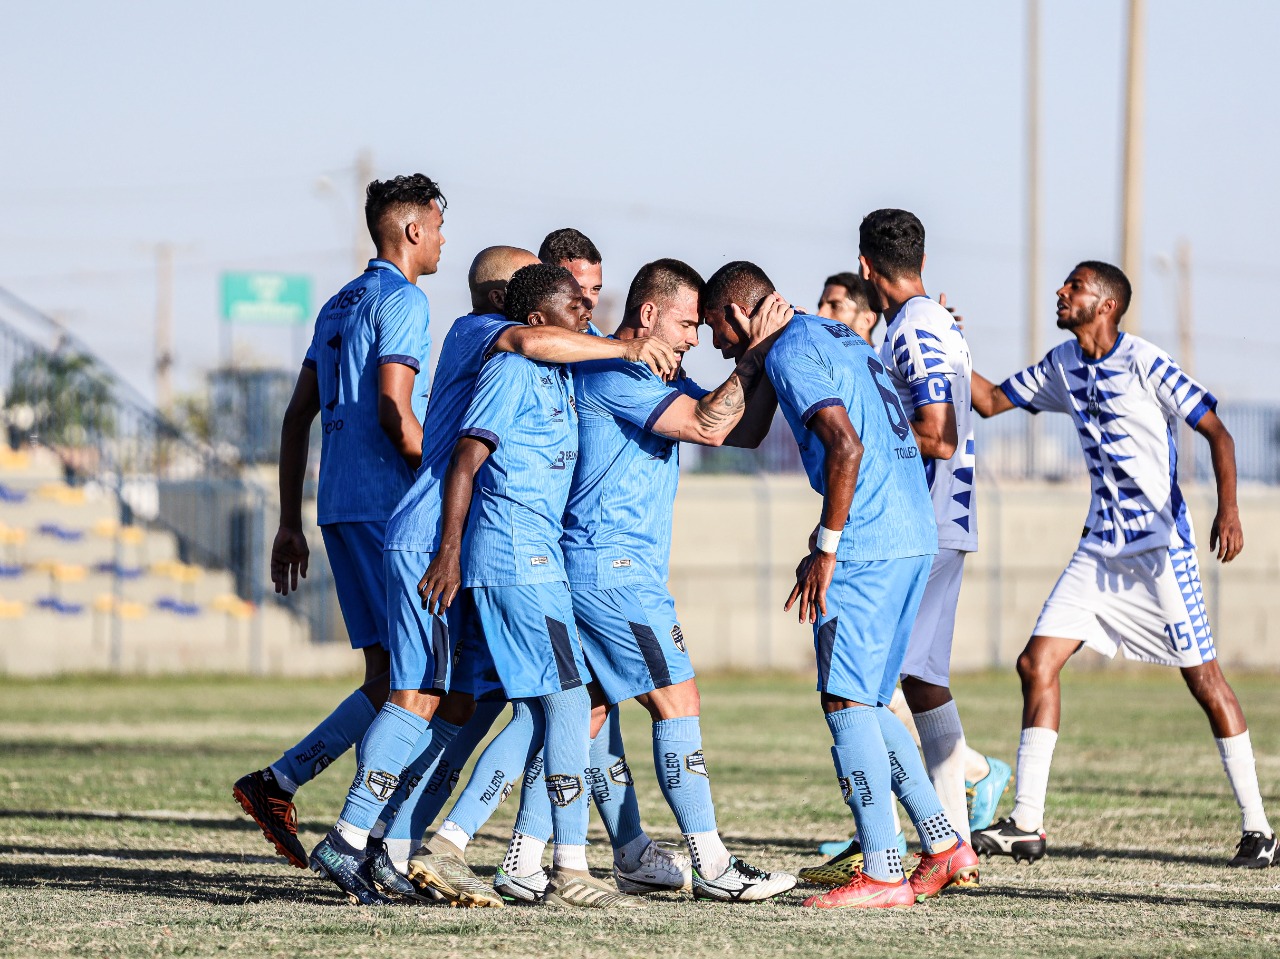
point(722, 408)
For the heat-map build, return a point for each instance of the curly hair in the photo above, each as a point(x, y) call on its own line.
point(893, 242)
point(568, 244)
point(531, 287)
point(383, 196)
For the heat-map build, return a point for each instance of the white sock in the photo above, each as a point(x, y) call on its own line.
point(976, 767)
point(524, 855)
point(1035, 756)
point(570, 857)
point(628, 856)
point(1237, 760)
point(942, 742)
point(285, 783)
point(399, 850)
point(710, 857)
point(898, 706)
point(354, 835)
point(454, 833)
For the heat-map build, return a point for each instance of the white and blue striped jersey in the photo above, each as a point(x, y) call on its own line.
point(379, 317)
point(928, 360)
point(817, 363)
point(1125, 407)
point(415, 524)
point(617, 526)
point(525, 411)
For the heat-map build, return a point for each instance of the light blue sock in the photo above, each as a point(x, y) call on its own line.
point(394, 739)
point(566, 752)
point(403, 810)
point(534, 816)
point(499, 768)
point(862, 767)
point(612, 787)
point(682, 773)
point(911, 784)
point(341, 729)
point(438, 784)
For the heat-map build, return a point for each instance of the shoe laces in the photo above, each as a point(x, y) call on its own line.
point(285, 812)
point(748, 871)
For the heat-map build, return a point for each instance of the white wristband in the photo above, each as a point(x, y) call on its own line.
point(828, 539)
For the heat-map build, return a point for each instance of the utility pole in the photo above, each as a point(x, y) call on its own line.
point(164, 327)
point(1186, 338)
point(361, 247)
point(1131, 216)
point(1033, 215)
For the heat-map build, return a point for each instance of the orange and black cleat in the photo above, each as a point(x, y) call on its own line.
point(272, 809)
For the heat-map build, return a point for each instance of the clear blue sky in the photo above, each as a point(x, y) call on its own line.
point(706, 131)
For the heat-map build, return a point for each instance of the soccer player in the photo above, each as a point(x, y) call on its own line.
point(361, 376)
point(506, 488)
point(574, 251)
point(617, 545)
point(860, 587)
point(1133, 583)
point(849, 299)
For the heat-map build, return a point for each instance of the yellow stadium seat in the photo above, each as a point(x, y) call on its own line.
point(69, 572)
point(12, 609)
point(131, 535)
point(105, 527)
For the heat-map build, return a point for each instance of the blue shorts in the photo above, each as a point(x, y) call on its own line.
point(474, 671)
point(421, 651)
point(355, 556)
point(531, 636)
point(863, 639)
point(632, 639)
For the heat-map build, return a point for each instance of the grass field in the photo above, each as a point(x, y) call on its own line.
point(118, 834)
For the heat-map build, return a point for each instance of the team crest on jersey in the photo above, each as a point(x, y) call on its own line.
point(620, 772)
point(563, 790)
point(677, 637)
point(696, 764)
point(381, 783)
point(845, 789)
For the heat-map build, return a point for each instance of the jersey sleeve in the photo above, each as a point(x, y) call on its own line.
point(402, 322)
point(801, 378)
point(1036, 389)
point(1177, 393)
point(630, 392)
point(309, 361)
point(489, 327)
point(920, 361)
point(496, 402)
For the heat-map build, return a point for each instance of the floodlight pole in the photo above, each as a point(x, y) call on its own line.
point(1033, 215)
point(1131, 215)
point(164, 327)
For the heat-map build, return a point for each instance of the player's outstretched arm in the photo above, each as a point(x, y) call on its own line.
point(289, 552)
point(395, 411)
point(1226, 536)
point(988, 398)
point(440, 584)
point(843, 449)
point(549, 344)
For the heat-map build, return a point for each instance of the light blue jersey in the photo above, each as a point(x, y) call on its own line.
point(415, 525)
point(525, 411)
point(377, 318)
point(819, 363)
point(617, 527)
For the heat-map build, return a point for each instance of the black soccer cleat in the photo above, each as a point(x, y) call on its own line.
point(1255, 851)
point(386, 878)
point(1005, 838)
point(348, 868)
point(272, 809)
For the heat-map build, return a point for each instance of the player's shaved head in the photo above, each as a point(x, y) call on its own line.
point(738, 282)
point(490, 273)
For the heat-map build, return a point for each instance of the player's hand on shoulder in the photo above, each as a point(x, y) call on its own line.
point(959, 319)
point(440, 583)
point(769, 318)
point(289, 558)
point(1226, 537)
point(653, 353)
point(813, 577)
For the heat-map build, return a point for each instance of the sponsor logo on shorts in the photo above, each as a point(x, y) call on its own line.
point(539, 560)
point(563, 790)
point(381, 783)
point(563, 458)
point(677, 637)
point(695, 763)
point(621, 563)
point(620, 772)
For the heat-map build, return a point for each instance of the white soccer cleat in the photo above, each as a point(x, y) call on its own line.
point(660, 870)
point(742, 882)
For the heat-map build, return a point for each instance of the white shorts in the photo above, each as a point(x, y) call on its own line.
point(1150, 605)
point(929, 652)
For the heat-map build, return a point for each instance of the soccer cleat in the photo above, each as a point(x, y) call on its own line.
point(660, 870)
point(452, 878)
point(983, 796)
point(957, 866)
point(863, 892)
point(1255, 851)
point(386, 878)
point(741, 882)
point(844, 864)
point(348, 867)
point(520, 888)
point(571, 887)
point(272, 809)
point(1005, 838)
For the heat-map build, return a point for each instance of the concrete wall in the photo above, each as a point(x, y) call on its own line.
point(738, 539)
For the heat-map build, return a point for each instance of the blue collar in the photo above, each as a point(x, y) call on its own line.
point(379, 264)
point(1114, 346)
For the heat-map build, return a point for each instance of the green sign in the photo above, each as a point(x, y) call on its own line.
point(275, 298)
